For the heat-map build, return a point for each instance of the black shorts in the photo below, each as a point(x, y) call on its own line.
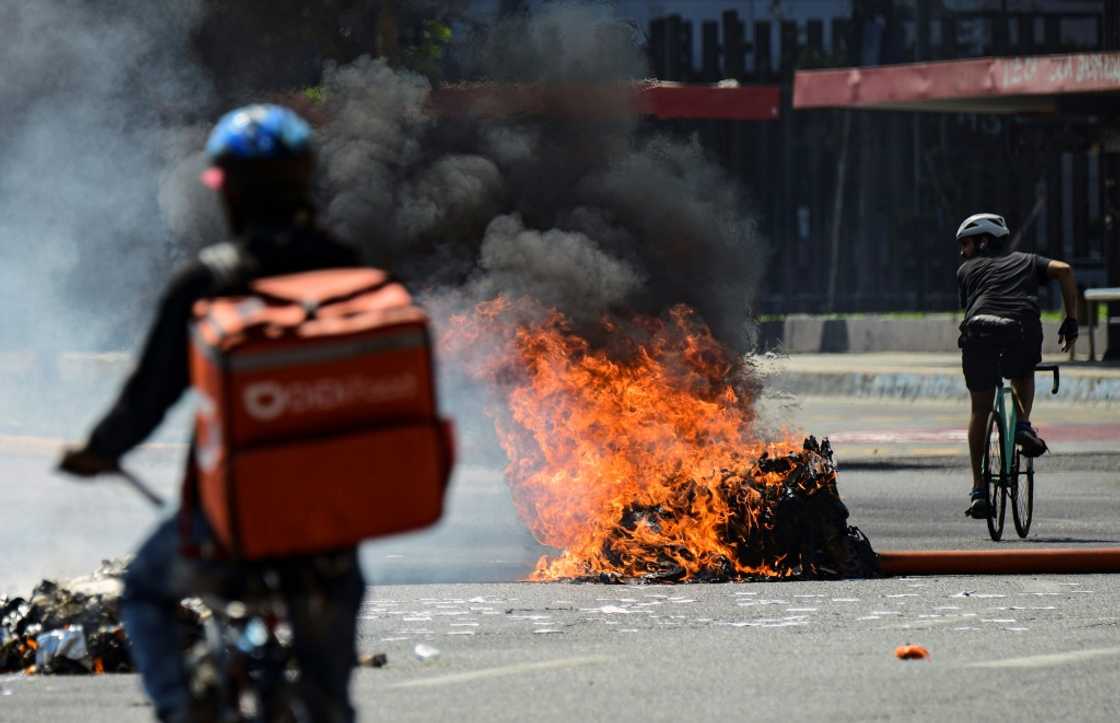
point(984, 362)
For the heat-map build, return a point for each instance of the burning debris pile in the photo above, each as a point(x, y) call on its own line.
point(66, 628)
point(639, 456)
point(781, 518)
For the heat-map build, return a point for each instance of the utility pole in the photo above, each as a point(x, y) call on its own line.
point(922, 54)
point(389, 32)
point(1110, 37)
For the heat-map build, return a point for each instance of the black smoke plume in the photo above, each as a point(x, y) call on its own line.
point(584, 210)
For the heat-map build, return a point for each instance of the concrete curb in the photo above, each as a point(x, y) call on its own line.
point(901, 385)
point(805, 334)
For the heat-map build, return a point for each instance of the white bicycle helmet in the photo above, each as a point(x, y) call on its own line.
point(979, 223)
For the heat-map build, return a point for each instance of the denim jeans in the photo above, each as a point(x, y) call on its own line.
point(324, 623)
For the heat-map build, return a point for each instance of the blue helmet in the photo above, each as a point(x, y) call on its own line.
point(259, 145)
point(259, 132)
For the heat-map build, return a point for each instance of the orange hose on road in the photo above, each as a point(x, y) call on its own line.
point(1053, 560)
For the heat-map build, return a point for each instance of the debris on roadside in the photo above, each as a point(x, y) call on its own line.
point(911, 652)
point(67, 628)
point(780, 517)
point(373, 660)
point(425, 653)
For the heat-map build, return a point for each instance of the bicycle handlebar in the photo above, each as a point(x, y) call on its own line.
point(1050, 368)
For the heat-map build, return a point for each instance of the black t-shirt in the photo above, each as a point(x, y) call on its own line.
point(1003, 285)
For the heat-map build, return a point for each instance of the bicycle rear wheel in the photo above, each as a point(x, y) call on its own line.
point(994, 479)
point(1022, 494)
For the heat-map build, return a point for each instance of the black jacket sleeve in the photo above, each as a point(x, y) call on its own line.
point(161, 374)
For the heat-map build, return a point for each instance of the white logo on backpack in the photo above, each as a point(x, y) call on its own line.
point(268, 400)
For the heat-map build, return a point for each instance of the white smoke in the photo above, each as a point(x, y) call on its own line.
point(92, 96)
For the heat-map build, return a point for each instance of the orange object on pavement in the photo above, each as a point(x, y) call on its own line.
point(911, 652)
point(317, 424)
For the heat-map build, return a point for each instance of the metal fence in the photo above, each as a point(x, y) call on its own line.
point(861, 206)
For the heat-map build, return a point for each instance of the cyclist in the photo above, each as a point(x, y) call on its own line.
point(261, 165)
point(1001, 334)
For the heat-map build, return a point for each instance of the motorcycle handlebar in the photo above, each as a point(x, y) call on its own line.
point(145, 491)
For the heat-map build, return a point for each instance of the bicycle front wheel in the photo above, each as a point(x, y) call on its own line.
point(1022, 494)
point(994, 478)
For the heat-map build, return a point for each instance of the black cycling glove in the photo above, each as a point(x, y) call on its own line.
point(1068, 329)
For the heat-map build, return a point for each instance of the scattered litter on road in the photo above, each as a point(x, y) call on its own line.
point(610, 610)
point(911, 652)
point(66, 628)
point(425, 653)
point(373, 660)
point(62, 651)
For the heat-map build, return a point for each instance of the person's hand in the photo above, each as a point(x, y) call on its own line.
point(83, 462)
point(1067, 333)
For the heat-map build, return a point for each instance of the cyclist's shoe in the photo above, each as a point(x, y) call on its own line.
point(978, 505)
point(1028, 440)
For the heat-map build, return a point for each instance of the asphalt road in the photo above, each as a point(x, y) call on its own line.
point(1025, 647)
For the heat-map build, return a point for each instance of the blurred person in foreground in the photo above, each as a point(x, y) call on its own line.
point(261, 165)
point(1001, 335)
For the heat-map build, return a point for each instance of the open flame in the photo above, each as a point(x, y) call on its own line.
point(638, 456)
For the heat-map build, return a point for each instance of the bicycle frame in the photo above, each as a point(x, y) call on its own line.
point(1008, 415)
point(1004, 418)
point(1007, 411)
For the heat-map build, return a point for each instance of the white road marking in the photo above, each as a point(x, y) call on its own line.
point(502, 671)
point(1045, 661)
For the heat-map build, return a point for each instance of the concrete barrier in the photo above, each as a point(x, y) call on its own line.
point(806, 334)
point(916, 385)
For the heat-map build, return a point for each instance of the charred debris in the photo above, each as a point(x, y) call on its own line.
point(792, 529)
point(72, 628)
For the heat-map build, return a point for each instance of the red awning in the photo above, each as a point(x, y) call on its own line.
point(726, 101)
point(1029, 84)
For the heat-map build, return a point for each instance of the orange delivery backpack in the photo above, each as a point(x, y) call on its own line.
point(317, 424)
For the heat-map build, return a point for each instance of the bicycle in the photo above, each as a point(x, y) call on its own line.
point(1005, 475)
point(242, 667)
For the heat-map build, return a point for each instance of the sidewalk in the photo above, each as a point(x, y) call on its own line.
point(914, 375)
